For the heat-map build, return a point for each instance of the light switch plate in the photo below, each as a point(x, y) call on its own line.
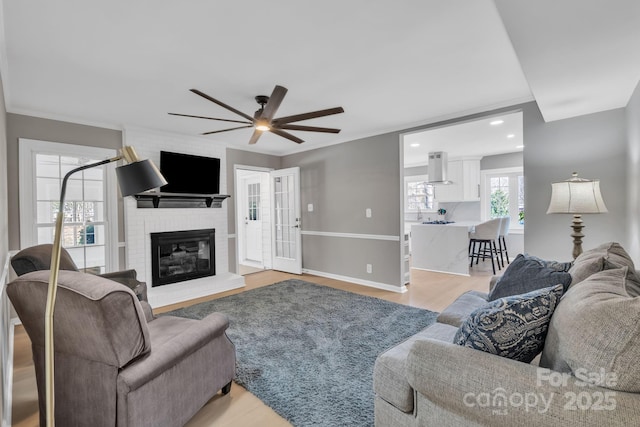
point(310, 207)
point(368, 213)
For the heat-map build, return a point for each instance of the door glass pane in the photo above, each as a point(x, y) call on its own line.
point(284, 220)
point(253, 202)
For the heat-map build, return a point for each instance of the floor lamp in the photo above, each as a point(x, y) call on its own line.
point(576, 196)
point(134, 177)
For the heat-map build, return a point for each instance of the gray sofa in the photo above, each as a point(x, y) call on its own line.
point(113, 365)
point(429, 381)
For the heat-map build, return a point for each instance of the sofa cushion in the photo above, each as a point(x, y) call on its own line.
point(597, 326)
point(605, 256)
point(513, 327)
point(527, 273)
point(459, 310)
point(389, 373)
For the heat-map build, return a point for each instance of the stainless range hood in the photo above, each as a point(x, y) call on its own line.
point(437, 168)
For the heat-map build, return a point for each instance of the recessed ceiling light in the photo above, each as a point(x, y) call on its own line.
point(519, 146)
point(496, 122)
point(415, 144)
point(511, 135)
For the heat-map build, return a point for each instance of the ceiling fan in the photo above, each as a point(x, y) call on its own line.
point(263, 119)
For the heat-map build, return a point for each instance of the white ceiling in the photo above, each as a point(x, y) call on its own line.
point(391, 65)
point(478, 138)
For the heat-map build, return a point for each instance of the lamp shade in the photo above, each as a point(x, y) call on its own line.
point(139, 176)
point(576, 196)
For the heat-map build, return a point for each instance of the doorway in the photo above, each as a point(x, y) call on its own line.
point(267, 219)
point(253, 220)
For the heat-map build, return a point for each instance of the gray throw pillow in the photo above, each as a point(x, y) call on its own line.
point(527, 273)
point(597, 327)
point(513, 327)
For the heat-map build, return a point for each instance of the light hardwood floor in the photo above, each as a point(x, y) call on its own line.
point(433, 291)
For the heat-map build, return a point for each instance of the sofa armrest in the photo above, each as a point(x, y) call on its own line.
point(147, 310)
point(168, 354)
point(496, 391)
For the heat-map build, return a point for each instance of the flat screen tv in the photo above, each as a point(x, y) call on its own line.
point(186, 173)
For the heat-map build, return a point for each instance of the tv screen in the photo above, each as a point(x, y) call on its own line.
point(186, 173)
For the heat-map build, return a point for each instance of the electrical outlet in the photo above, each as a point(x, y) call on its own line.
point(369, 268)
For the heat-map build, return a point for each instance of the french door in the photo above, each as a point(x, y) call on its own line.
point(286, 238)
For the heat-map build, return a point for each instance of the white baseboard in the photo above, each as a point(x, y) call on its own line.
point(399, 289)
point(184, 291)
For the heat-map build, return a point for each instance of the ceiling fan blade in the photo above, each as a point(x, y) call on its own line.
point(307, 116)
point(286, 135)
point(209, 118)
point(256, 135)
point(274, 103)
point(222, 104)
point(308, 128)
point(226, 130)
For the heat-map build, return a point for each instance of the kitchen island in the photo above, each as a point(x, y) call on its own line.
point(441, 247)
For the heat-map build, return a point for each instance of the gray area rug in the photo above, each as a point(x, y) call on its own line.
point(308, 351)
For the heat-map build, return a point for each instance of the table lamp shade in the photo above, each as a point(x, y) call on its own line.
point(576, 196)
point(139, 176)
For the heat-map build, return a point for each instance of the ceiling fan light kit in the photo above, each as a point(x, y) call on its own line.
point(263, 119)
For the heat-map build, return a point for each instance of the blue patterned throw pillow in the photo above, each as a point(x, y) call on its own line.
point(513, 327)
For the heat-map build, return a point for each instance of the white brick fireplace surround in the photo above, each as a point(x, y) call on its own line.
point(140, 222)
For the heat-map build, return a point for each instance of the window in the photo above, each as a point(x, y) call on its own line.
point(418, 195)
point(253, 202)
point(88, 234)
point(504, 195)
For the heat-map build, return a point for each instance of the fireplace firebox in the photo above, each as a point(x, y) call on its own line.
point(177, 256)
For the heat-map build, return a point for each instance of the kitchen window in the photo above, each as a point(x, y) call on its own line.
point(418, 194)
point(503, 195)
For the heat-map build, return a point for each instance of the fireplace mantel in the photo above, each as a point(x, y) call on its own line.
point(179, 200)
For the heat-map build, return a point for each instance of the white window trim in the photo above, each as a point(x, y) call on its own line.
point(515, 228)
point(27, 189)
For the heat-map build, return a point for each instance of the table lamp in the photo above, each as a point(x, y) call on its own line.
point(134, 177)
point(576, 196)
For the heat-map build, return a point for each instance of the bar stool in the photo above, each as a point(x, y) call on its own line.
point(502, 243)
point(485, 235)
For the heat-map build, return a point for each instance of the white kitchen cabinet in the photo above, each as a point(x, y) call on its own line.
point(470, 180)
point(465, 175)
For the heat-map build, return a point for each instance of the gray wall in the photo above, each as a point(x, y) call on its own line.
point(342, 181)
point(20, 126)
point(595, 146)
point(633, 175)
point(508, 160)
point(245, 158)
point(4, 204)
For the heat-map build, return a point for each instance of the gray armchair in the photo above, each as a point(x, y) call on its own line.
point(112, 367)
